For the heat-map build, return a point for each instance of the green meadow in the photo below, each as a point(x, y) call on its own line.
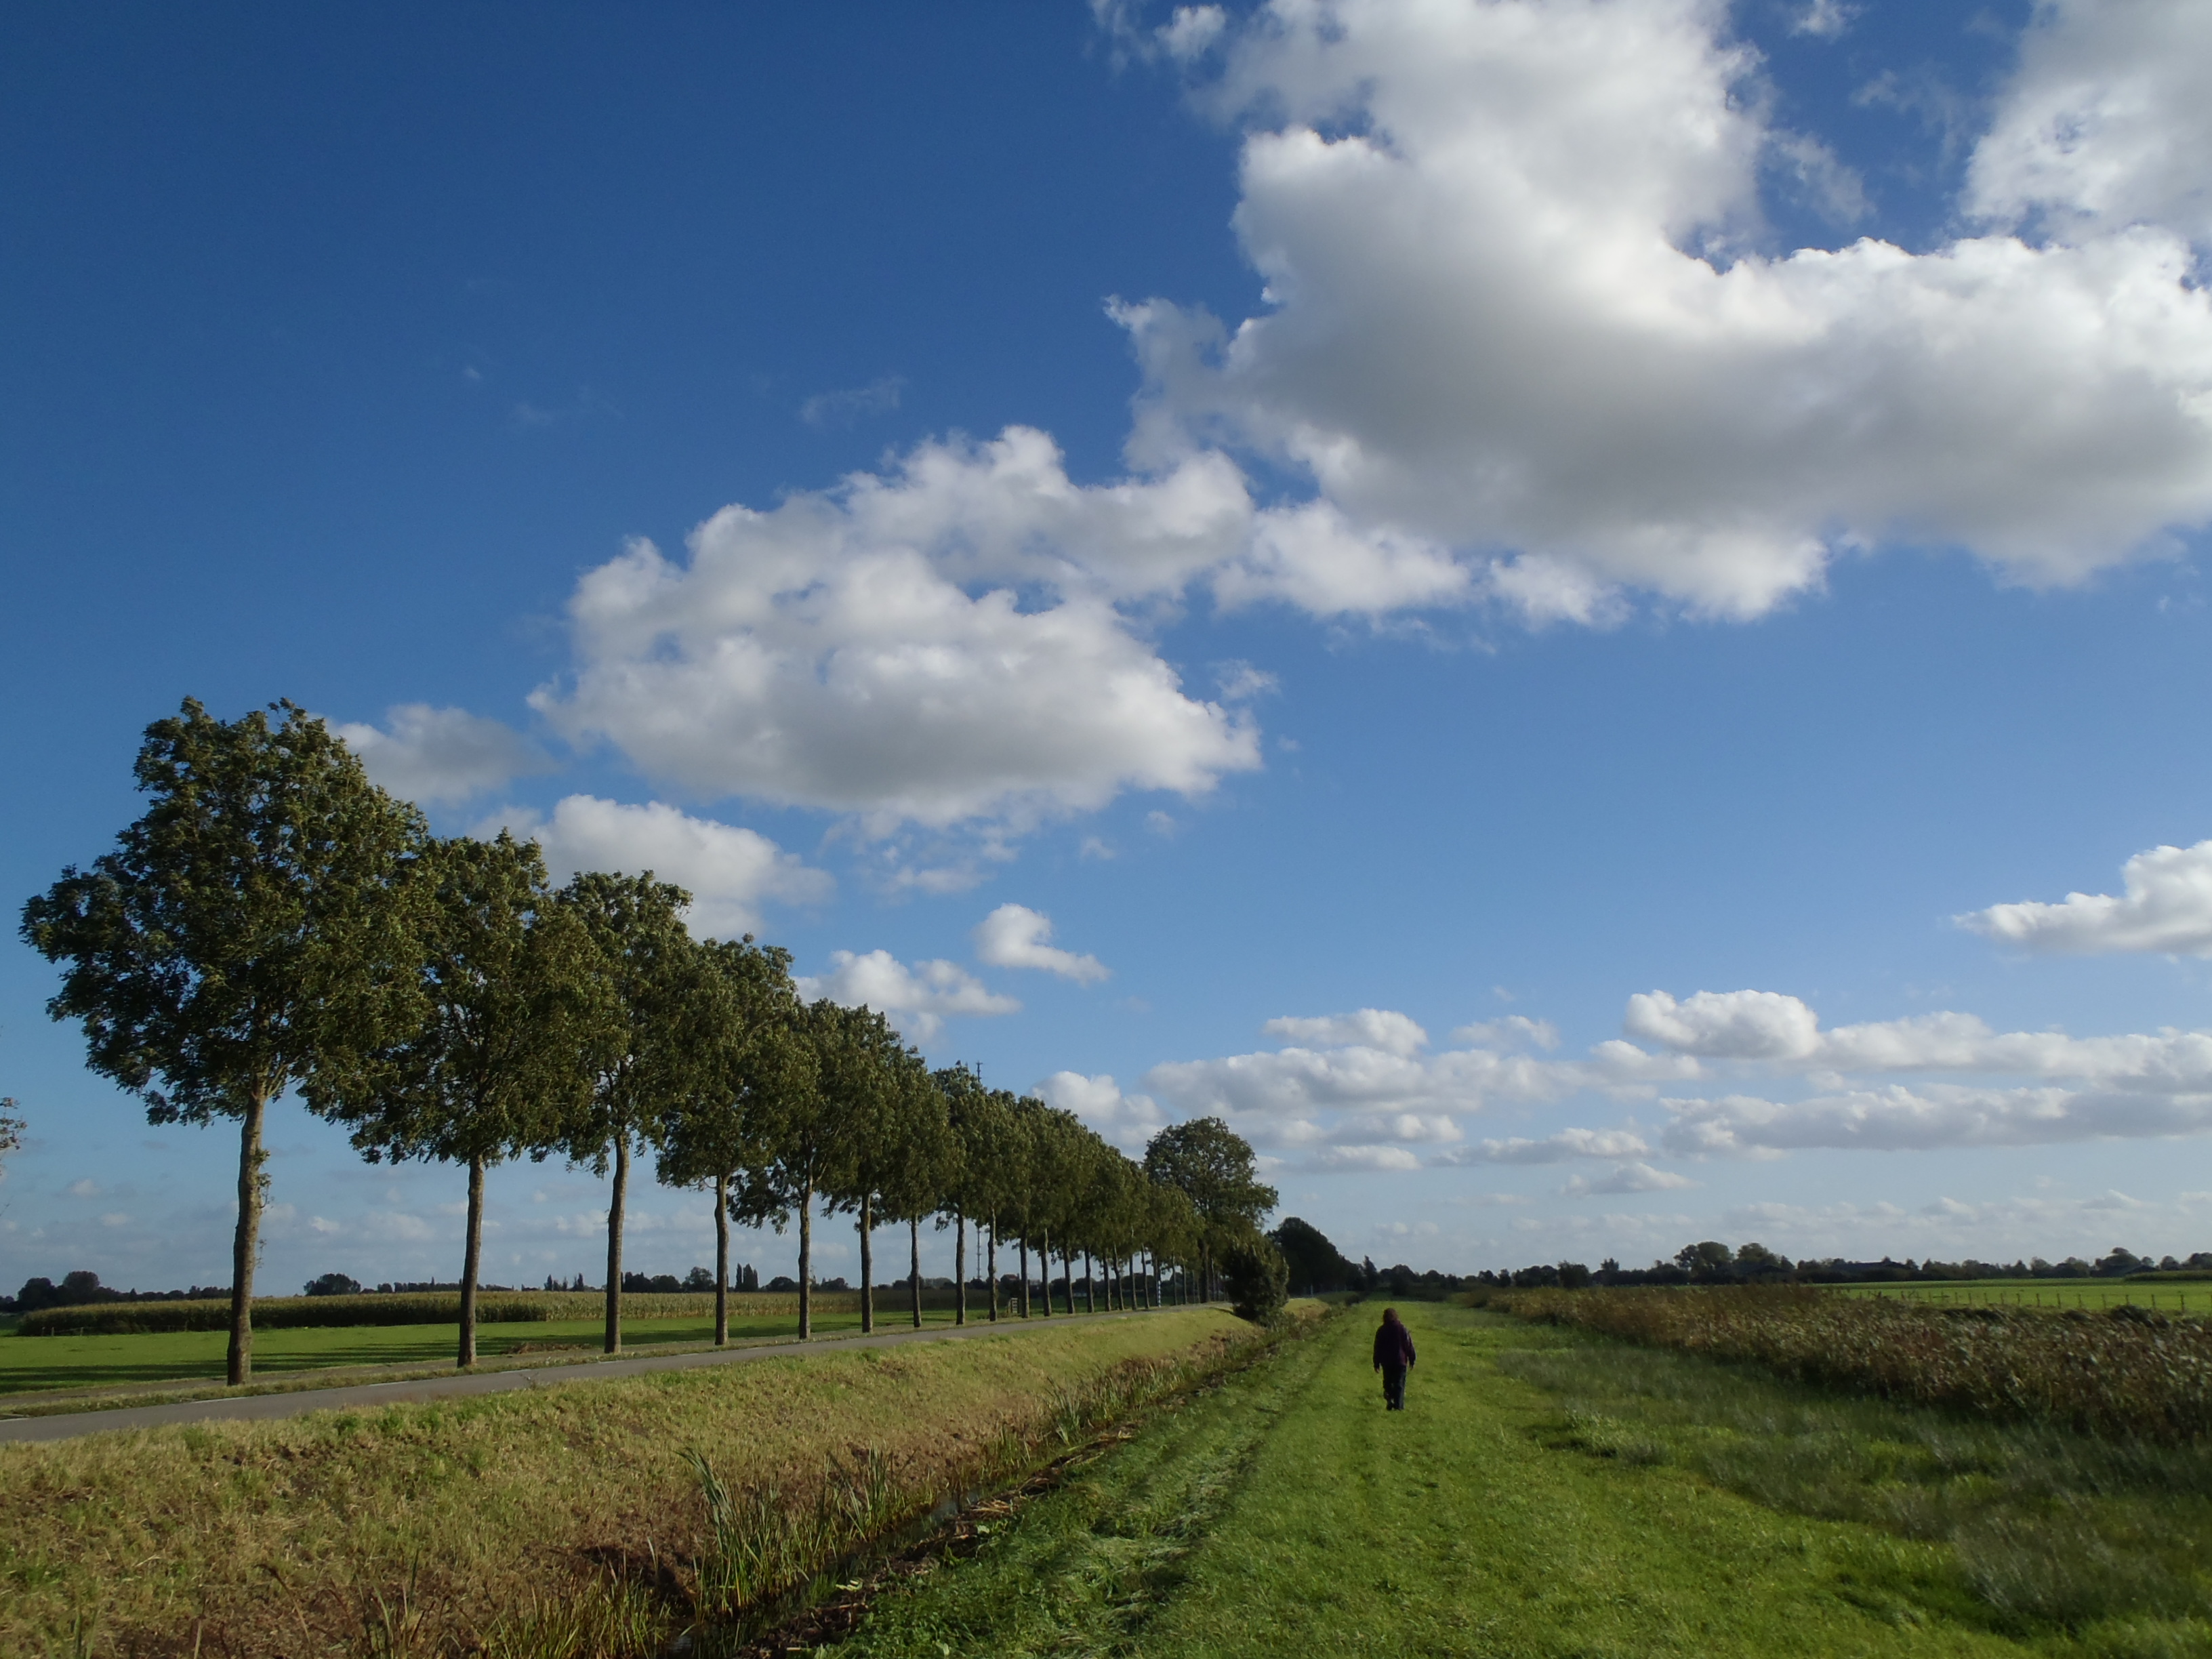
point(36, 1363)
point(1548, 1494)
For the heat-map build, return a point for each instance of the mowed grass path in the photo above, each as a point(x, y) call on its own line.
point(1287, 1513)
point(29, 1363)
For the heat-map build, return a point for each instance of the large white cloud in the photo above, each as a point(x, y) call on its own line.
point(2108, 124)
point(940, 644)
point(1517, 309)
point(440, 756)
point(1015, 936)
point(730, 872)
point(2166, 906)
point(916, 1000)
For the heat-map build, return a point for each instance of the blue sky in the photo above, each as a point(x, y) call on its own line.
point(1541, 604)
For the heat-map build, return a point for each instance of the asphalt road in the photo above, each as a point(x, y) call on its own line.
point(67, 1426)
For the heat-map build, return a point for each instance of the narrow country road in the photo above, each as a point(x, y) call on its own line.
point(69, 1424)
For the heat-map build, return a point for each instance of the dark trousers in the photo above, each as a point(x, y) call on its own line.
point(1394, 1387)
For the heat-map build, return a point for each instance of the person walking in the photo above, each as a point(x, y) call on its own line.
point(1394, 1357)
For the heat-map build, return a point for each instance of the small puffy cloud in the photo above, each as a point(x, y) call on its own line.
point(1015, 936)
point(842, 409)
point(1127, 1120)
point(1725, 1024)
point(437, 757)
point(86, 1187)
point(1554, 1149)
point(728, 871)
point(1625, 1178)
point(2165, 906)
point(1392, 1032)
point(1824, 20)
point(916, 999)
point(1387, 1159)
point(1513, 1031)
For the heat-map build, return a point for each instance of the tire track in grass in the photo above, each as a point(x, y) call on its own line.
point(1085, 1569)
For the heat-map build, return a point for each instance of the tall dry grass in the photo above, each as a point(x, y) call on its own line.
point(571, 1520)
point(2122, 1372)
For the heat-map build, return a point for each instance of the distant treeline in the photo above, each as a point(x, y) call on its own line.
point(1713, 1263)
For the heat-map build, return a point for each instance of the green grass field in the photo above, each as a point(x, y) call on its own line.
point(1549, 1494)
point(2170, 1297)
point(33, 1364)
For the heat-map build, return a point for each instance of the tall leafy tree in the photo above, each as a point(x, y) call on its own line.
point(806, 1140)
point(751, 1064)
point(514, 1018)
point(928, 1168)
point(250, 922)
point(870, 1088)
point(975, 1121)
point(1212, 1165)
point(649, 966)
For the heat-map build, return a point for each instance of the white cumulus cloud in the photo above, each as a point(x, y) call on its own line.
point(728, 871)
point(1128, 1120)
point(1520, 337)
point(1637, 1177)
point(916, 999)
point(436, 756)
point(940, 644)
point(1015, 936)
point(2165, 905)
point(1385, 1029)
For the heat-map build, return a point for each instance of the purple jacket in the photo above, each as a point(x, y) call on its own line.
point(1393, 1347)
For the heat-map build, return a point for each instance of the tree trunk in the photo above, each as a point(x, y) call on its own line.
point(959, 1268)
point(867, 1267)
point(990, 1271)
point(1044, 1267)
point(913, 1265)
point(1025, 1277)
point(472, 1255)
point(1089, 1286)
point(614, 1240)
point(245, 1244)
point(806, 1263)
point(1067, 1275)
point(721, 1261)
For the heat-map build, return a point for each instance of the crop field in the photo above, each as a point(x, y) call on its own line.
point(579, 1519)
point(32, 1364)
point(1549, 1492)
point(2165, 1297)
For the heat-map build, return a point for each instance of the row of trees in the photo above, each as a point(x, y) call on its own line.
point(275, 922)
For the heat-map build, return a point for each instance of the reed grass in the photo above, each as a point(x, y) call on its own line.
point(2125, 1372)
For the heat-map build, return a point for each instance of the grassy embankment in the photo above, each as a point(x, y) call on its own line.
point(1551, 1493)
point(553, 1523)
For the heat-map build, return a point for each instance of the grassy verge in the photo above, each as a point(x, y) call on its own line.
point(566, 1520)
point(1548, 1494)
point(29, 1364)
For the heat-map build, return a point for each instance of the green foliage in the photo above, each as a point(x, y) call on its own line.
point(1212, 1165)
point(1256, 1277)
point(250, 932)
point(243, 925)
point(1315, 1265)
point(11, 1129)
